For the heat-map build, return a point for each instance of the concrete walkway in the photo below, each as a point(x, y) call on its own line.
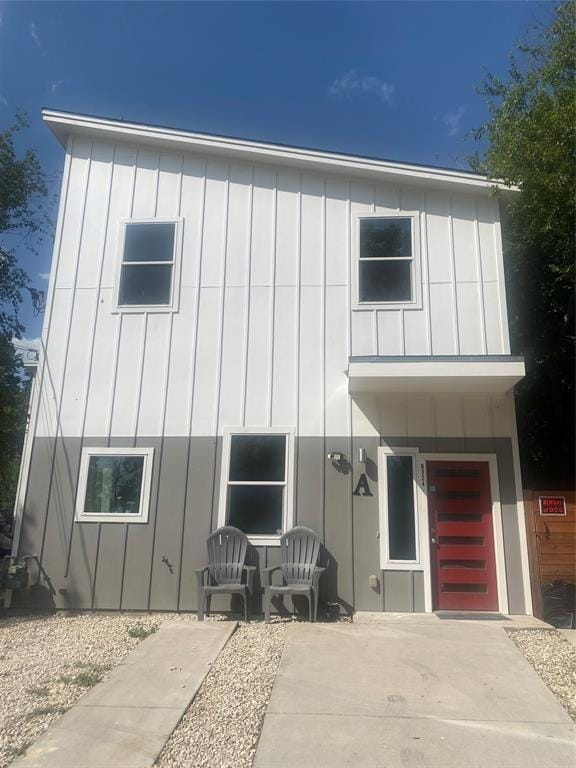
point(424, 693)
point(125, 721)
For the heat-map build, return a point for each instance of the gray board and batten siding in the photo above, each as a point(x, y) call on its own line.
point(111, 566)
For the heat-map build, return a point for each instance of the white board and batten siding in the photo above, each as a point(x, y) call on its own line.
point(265, 322)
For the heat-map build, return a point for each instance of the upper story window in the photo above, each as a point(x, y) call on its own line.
point(148, 264)
point(386, 260)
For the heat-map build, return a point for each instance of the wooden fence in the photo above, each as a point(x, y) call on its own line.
point(551, 530)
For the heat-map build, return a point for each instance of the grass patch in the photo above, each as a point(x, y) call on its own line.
point(87, 678)
point(50, 709)
point(140, 632)
point(38, 690)
point(89, 675)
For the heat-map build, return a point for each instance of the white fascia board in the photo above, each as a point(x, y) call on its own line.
point(435, 376)
point(63, 124)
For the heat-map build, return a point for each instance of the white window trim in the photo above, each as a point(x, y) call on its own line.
point(175, 282)
point(416, 279)
point(125, 517)
point(288, 509)
point(387, 563)
point(420, 482)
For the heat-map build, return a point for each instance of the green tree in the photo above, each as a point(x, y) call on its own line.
point(23, 219)
point(531, 142)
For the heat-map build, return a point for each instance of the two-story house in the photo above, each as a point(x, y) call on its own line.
point(261, 335)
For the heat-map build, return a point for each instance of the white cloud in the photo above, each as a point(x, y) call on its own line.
point(3, 100)
point(44, 275)
point(34, 35)
point(352, 82)
point(54, 86)
point(453, 119)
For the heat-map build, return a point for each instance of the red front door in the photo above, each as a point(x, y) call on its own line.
point(462, 539)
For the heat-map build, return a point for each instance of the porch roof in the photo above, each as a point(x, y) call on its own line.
point(484, 374)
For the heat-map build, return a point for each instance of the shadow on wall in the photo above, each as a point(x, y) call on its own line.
point(331, 605)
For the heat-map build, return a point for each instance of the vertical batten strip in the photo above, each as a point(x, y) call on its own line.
point(118, 339)
point(89, 370)
point(350, 401)
point(247, 298)
point(425, 271)
point(453, 281)
point(222, 303)
point(138, 398)
point(98, 289)
point(220, 341)
point(480, 279)
point(504, 329)
point(323, 363)
point(272, 301)
point(192, 374)
point(58, 403)
point(297, 344)
point(165, 379)
point(146, 315)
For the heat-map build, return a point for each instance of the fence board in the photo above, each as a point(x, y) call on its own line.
point(551, 543)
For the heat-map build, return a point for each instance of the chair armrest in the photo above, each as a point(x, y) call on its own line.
point(200, 575)
point(268, 574)
point(318, 571)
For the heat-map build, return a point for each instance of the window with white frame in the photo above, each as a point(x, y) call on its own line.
point(148, 262)
point(255, 495)
point(386, 259)
point(114, 485)
point(400, 507)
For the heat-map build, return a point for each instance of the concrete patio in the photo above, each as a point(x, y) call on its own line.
point(411, 692)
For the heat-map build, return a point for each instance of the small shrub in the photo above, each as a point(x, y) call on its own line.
point(87, 678)
point(50, 709)
point(140, 632)
point(38, 690)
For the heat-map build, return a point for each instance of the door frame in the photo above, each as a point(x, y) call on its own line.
point(421, 483)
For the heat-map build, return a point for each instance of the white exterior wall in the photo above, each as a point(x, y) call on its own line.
point(265, 323)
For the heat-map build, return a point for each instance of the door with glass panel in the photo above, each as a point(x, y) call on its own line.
point(461, 536)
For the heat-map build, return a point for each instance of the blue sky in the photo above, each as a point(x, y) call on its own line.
point(390, 79)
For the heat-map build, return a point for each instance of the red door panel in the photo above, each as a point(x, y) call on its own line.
point(462, 547)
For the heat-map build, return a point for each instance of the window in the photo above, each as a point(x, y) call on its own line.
point(401, 518)
point(256, 493)
point(399, 509)
point(148, 260)
point(114, 485)
point(386, 260)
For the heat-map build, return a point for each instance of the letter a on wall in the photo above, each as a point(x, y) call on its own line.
point(362, 487)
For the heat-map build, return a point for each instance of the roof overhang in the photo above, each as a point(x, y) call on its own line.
point(480, 374)
point(64, 124)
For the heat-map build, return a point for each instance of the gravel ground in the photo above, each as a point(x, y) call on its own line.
point(48, 662)
point(221, 727)
point(554, 658)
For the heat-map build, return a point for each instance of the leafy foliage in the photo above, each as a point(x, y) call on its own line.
point(531, 138)
point(23, 217)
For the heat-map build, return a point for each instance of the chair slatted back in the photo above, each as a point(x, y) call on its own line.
point(300, 549)
point(226, 554)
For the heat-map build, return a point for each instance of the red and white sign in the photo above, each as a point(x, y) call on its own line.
point(552, 505)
